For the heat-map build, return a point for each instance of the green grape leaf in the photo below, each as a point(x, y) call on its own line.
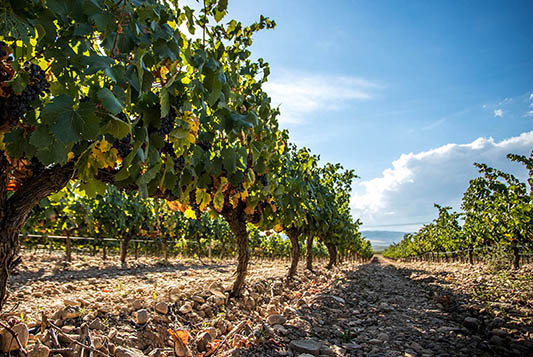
point(109, 101)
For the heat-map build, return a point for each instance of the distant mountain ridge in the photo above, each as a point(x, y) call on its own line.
point(382, 239)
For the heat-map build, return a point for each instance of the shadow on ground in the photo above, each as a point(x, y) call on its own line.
point(377, 310)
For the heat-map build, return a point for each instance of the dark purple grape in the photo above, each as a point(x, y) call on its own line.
point(15, 106)
point(167, 123)
point(124, 146)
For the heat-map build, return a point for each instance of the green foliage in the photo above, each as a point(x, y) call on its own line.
point(498, 211)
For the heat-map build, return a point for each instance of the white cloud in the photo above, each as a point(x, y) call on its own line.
point(299, 94)
point(529, 114)
point(531, 96)
point(498, 113)
point(406, 192)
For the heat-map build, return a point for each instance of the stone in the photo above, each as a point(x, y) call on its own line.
point(351, 346)
point(39, 350)
point(276, 319)
point(97, 324)
point(128, 352)
point(497, 340)
point(98, 342)
point(416, 346)
point(71, 312)
point(186, 308)
point(198, 299)
point(212, 331)
point(383, 336)
point(471, 322)
point(327, 351)
point(202, 340)
point(162, 307)
point(68, 302)
point(498, 332)
point(375, 341)
point(338, 299)
point(142, 316)
point(280, 329)
point(305, 346)
point(8, 343)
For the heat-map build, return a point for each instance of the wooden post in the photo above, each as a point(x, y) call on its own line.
point(68, 248)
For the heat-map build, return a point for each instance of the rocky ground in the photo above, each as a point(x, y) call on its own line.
point(161, 308)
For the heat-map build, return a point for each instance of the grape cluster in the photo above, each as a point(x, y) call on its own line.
point(15, 106)
point(167, 123)
point(124, 146)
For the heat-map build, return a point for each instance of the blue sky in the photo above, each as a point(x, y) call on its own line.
point(368, 83)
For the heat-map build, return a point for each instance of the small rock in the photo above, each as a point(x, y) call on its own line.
point(280, 329)
point(305, 346)
point(39, 350)
point(276, 319)
point(9, 343)
point(415, 346)
point(351, 346)
point(68, 302)
point(128, 352)
point(202, 340)
point(112, 334)
point(471, 322)
point(497, 340)
point(305, 355)
point(375, 341)
point(97, 324)
point(446, 329)
point(212, 331)
point(338, 299)
point(383, 336)
point(186, 308)
point(98, 342)
point(142, 316)
point(325, 350)
point(162, 307)
point(498, 332)
point(198, 299)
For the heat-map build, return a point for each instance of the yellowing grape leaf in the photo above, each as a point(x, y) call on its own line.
point(278, 228)
point(218, 200)
point(202, 198)
point(189, 213)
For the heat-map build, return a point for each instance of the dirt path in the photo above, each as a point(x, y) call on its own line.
point(377, 309)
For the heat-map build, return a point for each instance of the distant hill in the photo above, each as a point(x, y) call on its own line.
point(382, 239)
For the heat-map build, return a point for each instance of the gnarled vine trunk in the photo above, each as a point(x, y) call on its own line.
point(236, 219)
point(309, 254)
point(516, 255)
point(295, 250)
point(124, 244)
point(332, 251)
point(15, 209)
point(68, 249)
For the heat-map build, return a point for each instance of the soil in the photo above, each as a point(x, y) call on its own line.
point(382, 308)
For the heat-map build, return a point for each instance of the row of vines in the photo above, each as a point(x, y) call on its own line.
point(497, 213)
point(157, 99)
